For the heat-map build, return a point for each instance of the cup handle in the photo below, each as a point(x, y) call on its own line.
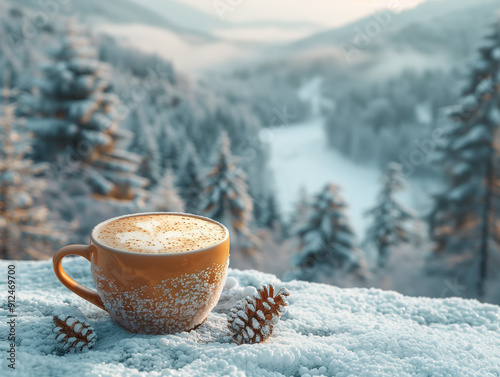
point(82, 291)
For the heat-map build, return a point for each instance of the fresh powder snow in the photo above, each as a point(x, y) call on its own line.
point(327, 331)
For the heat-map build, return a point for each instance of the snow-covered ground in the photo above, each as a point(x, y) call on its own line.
point(327, 331)
point(300, 157)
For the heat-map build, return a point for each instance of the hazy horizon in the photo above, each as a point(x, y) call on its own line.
point(300, 11)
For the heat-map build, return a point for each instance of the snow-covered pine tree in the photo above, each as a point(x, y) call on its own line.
point(327, 241)
point(26, 231)
point(464, 222)
point(170, 145)
point(302, 205)
point(165, 197)
point(273, 216)
point(226, 198)
point(265, 209)
point(389, 217)
point(299, 214)
point(73, 113)
point(145, 145)
point(190, 180)
point(16, 56)
point(259, 209)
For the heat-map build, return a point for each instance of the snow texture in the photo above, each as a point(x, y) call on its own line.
point(326, 331)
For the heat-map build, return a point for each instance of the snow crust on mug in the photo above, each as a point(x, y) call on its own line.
point(159, 234)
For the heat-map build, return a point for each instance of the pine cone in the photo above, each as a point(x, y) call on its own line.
point(253, 319)
point(72, 331)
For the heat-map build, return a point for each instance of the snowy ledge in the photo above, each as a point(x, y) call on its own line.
point(326, 331)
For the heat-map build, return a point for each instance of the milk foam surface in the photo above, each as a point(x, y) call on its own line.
point(159, 234)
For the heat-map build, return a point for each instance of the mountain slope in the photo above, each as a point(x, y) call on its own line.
point(197, 20)
point(438, 17)
point(186, 15)
point(115, 11)
point(434, 35)
point(187, 53)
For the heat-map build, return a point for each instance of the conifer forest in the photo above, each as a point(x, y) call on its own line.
point(363, 154)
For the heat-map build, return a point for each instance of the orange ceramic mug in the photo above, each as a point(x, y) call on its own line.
point(151, 293)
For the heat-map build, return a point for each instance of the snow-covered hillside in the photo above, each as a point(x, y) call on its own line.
point(300, 157)
point(327, 331)
point(184, 51)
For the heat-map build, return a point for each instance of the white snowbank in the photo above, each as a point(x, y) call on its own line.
point(327, 331)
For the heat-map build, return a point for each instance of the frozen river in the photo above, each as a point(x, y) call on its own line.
point(300, 157)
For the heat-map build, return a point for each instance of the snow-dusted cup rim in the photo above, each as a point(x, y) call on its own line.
point(112, 249)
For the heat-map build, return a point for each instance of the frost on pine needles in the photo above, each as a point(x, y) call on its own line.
point(389, 217)
point(463, 222)
point(226, 198)
point(72, 331)
point(74, 116)
point(327, 239)
point(253, 319)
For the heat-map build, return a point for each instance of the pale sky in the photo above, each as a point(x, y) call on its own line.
point(328, 13)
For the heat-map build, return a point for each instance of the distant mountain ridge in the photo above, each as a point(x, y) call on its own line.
point(432, 13)
point(117, 11)
point(195, 19)
point(435, 35)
